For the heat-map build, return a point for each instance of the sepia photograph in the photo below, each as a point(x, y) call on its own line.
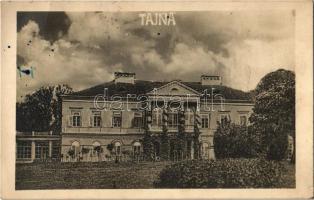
point(155, 100)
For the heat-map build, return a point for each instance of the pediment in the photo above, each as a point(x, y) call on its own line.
point(174, 88)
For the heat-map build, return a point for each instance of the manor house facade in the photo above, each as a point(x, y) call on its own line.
point(110, 120)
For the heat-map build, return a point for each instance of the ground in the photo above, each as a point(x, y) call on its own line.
point(99, 175)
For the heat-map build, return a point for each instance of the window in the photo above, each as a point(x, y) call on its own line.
point(76, 119)
point(96, 119)
point(173, 120)
point(76, 147)
point(189, 118)
point(224, 117)
point(96, 148)
point(24, 149)
point(117, 119)
point(117, 148)
point(42, 150)
point(243, 120)
point(205, 121)
point(138, 120)
point(136, 148)
point(156, 117)
point(205, 149)
point(55, 149)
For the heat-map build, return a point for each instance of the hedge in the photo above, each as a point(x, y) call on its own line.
point(227, 173)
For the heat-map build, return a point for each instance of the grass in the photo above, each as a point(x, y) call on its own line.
point(87, 175)
point(102, 175)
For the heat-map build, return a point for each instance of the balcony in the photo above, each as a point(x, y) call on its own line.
point(103, 130)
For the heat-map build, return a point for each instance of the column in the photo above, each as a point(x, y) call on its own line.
point(33, 150)
point(50, 149)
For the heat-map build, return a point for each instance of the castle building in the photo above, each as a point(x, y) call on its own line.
point(110, 120)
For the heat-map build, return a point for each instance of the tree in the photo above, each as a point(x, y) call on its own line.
point(274, 112)
point(165, 144)
point(59, 90)
point(147, 141)
point(235, 141)
point(41, 111)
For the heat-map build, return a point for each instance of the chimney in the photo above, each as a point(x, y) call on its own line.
point(211, 80)
point(124, 77)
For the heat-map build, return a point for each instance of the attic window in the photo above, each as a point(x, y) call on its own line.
point(174, 89)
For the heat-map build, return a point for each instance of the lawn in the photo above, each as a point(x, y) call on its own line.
point(100, 175)
point(87, 175)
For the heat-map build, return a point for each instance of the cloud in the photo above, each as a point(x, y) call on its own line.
point(60, 62)
point(241, 46)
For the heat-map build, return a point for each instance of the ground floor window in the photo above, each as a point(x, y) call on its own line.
point(117, 147)
point(41, 150)
point(55, 150)
point(24, 149)
point(136, 148)
point(205, 149)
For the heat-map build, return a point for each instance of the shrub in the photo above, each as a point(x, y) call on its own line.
point(234, 141)
point(228, 173)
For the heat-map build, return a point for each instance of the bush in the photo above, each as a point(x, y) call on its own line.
point(234, 141)
point(228, 173)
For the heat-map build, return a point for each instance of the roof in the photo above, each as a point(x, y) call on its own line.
point(141, 87)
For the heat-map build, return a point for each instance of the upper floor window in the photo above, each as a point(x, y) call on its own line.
point(243, 120)
point(173, 120)
point(224, 117)
point(156, 117)
point(189, 118)
point(96, 118)
point(138, 120)
point(76, 119)
point(116, 119)
point(205, 121)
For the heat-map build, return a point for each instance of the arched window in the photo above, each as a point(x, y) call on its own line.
point(117, 147)
point(205, 148)
point(136, 148)
point(96, 144)
point(174, 90)
point(76, 147)
point(96, 147)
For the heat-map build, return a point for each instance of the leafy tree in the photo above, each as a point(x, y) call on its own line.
point(165, 145)
point(41, 110)
point(274, 112)
point(148, 142)
point(196, 142)
point(235, 141)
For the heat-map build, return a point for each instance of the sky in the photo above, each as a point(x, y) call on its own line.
point(83, 49)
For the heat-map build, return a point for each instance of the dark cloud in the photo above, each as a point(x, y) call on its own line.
point(52, 25)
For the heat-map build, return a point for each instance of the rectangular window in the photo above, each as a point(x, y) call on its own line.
point(117, 119)
point(224, 117)
point(189, 119)
point(205, 121)
point(96, 119)
point(42, 150)
point(137, 120)
point(243, 120)
point(76, 119)
point(24, 149)
point(156, 118)
point(56, 149)
point(173, 120)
